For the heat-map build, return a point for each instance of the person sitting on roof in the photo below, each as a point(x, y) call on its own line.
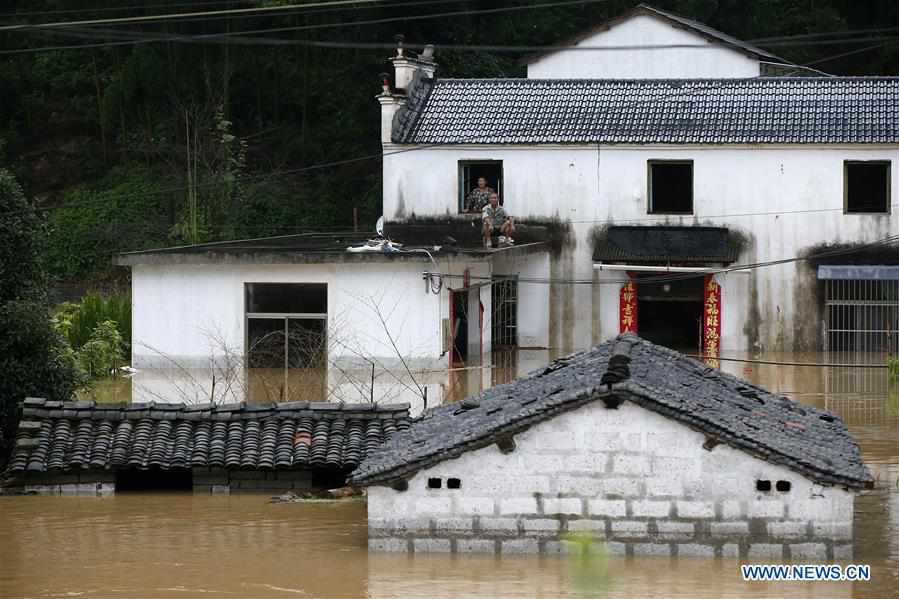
point(479, 196)
point(496, 222)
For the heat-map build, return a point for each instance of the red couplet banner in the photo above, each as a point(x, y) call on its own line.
point(627, 306)
point(711, 330)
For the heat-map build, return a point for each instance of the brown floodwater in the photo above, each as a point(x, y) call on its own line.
point(173, 546)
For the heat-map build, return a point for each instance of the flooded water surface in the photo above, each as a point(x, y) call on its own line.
point(166, 545)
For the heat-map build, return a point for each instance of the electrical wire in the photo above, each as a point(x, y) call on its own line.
point(232, 37)
point(182, 15)
point(673, 95)
point(112, 9)
point(888, 241)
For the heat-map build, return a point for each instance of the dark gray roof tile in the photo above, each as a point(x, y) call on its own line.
point(810, 441)
point(676, 111)
point(78, 435)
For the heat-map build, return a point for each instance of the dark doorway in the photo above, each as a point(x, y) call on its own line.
point(460, 325)
point(670, 313)
point(153, 480)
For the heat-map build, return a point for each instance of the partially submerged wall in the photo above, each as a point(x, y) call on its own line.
point(786, 199)
point(637, 482)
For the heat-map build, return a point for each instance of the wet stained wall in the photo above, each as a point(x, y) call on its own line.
point(783, 200)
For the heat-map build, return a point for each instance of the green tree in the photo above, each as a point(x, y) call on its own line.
point(34, 358)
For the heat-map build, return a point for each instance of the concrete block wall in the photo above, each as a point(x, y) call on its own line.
point(89, 483)
point(219, 481)
point(630, 480)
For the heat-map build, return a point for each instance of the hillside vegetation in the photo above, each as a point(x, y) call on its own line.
point(152, 136)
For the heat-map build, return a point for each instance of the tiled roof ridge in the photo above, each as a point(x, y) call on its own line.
point(77, 436)
point(659, 379)
point(41, 407)
point(637, 81)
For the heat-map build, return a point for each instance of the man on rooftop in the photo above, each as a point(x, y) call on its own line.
point(496, 222)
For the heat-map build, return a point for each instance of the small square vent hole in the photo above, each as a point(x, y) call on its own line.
point(453, 483)
point(783, 486)
point(436, 483)
point(763, 485)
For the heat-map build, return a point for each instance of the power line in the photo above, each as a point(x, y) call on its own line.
point(672, 95)
point(175, 16)
point(150, 37)
point(884, 242)
point(112, 9)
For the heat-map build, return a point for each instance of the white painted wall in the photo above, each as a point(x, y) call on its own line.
point(178, 308)
point(785, 198)
point(629, 465)
point(533, 297)
point(713, 61)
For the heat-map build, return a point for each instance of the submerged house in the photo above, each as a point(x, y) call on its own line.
point(702, 154)
point(331, 304)
point(644, 449)
point(685, 193)
point(85, 448)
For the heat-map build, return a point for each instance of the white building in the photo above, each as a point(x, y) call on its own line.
point(629, 445)
point(632, 193)
point(300, 317)
point(774, 168)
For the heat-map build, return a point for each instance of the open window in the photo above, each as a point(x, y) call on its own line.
point(286, 340)
point(670, 186)
point(866, 186)
point(472, 196)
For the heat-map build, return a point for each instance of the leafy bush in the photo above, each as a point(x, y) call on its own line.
point(103, 352)
point(34, 357)
point(79, 321)
point(893, 367)
point(125, 211)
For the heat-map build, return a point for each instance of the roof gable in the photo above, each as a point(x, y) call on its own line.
point(809, 441)
point(700, 30)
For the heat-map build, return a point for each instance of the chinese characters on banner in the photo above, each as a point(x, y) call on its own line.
point(711, 329)
point(627, 317)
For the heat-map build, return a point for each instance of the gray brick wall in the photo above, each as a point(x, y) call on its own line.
point(626, 481)
point(219, 481)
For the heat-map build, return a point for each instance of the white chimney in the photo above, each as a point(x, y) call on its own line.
point(406, 66)
point(390, 103)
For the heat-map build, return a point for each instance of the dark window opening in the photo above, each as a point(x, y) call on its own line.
point(435, 483)
point(153, 480)
point(471, 198)
point(287, 298)
point(453, 483)
point(783, 486)
point(670, 314)
point(763, 485)
point(867, 187)
point(670, 187)
point(504, 308)
point(328, 478)
point(459, 325)
point(286, 342)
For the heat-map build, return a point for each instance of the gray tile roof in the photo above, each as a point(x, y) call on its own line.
point(61, 436)
point(729, 410)
point(620, 111)
point(665, 244)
